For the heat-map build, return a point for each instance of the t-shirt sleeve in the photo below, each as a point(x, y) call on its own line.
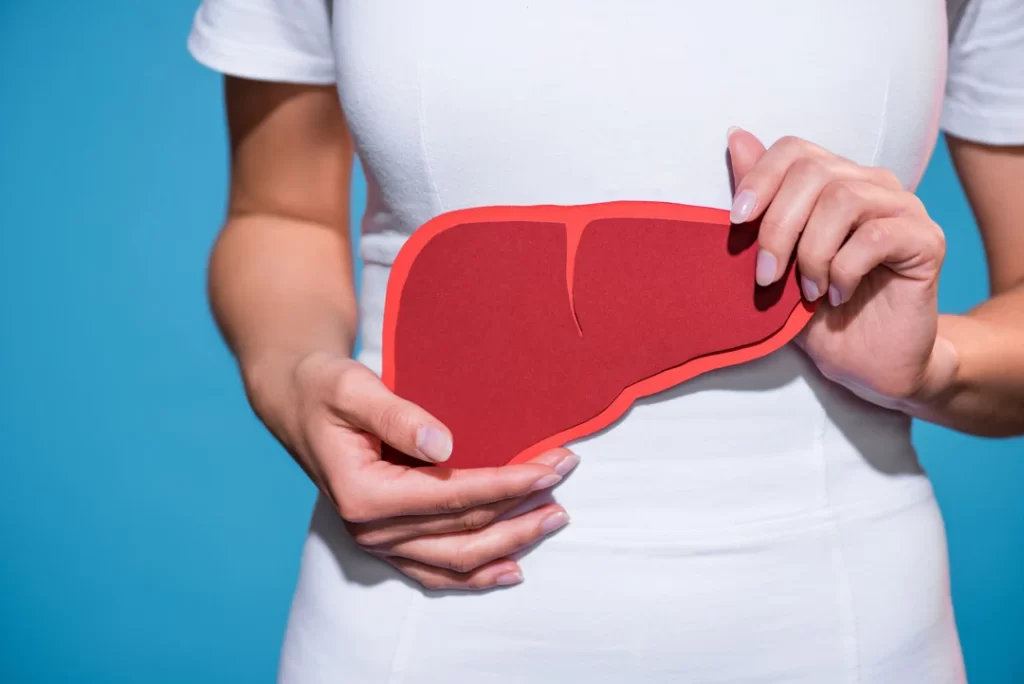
point(270, 40)
point(984, 99)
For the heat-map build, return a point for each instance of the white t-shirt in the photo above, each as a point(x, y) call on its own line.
point(290, 41)
point(757, 524)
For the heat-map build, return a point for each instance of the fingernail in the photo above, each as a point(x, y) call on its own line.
point(732, 129)
point(835, 297)
point(811, 291)
point(508, 579)
point(567, 464)
point(553, 522)
point(434, 444)
point(743, 206)
point(545, 482)
point(766, 268)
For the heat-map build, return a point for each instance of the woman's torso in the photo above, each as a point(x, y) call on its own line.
point(757, 524)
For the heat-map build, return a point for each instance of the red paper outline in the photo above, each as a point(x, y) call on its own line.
point(575, 217)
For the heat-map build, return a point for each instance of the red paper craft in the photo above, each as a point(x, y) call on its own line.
point(523, 328)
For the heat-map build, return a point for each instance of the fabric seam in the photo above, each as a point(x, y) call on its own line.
point(400, 659)
point(421, 126)
point(882, 128)
point(848, 618)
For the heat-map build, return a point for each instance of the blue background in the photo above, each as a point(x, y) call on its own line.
point(149, 529)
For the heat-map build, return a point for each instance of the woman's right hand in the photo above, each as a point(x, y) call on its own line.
point(437, 525)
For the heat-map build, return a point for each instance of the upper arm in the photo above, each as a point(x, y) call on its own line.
point(993, 180)
point(291, 153)
point(983, 116)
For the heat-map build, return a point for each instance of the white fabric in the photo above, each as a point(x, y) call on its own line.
point(755, 525)
point(985, 88)
point(270, 40)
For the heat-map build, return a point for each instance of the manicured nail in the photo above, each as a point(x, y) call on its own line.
point(434, 444)
point(553, 522)
point(766, 268)
point(811, 291)
point(728, 134)
point(567, 464)
point(743, 206)
point(545, 482)
point(835, 297)
point(508, 579)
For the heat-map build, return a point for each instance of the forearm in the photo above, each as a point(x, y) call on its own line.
point(985, 394)
point(281, 288)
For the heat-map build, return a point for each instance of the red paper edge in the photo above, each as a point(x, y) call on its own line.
point(669, 379)
point(577, 214)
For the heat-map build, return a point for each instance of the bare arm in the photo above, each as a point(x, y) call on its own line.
point(986, 395)
point(280, 276)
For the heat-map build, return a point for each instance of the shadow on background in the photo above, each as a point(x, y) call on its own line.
point(150, 529)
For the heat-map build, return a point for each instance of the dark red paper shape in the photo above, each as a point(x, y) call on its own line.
point(524, 328)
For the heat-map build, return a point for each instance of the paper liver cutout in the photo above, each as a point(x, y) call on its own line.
point(523, 328)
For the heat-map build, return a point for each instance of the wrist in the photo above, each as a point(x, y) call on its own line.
point(938, 383)
point(269, 387)
point(264, 369)
point(941, 379)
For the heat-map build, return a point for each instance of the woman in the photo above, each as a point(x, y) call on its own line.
point(764, 523)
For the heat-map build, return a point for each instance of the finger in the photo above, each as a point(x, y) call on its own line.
point(841, 205)
point(909, 246)
point(466, 551)
point(560, 459)
point(744, 151)
point(762, 181)
point(498, 574)
point(392, 530)
point(379, 490)
point(784, 184)
point(758, 173)
point(788, 211)
point(364, 402)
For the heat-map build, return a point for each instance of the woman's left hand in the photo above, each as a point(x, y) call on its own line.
point(867, 248)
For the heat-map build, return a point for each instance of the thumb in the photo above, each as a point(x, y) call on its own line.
point(744, 151)
point(370, 406)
